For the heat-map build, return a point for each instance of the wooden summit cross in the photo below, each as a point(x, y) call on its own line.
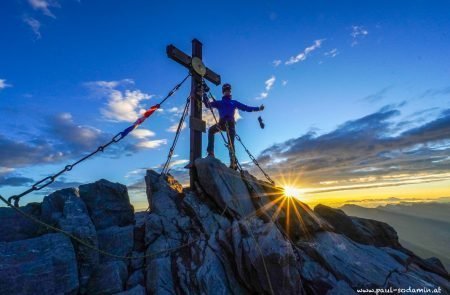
point(198, 70)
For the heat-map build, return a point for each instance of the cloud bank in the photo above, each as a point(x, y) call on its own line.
point(366, 152)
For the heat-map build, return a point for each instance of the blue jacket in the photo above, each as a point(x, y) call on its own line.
point(227, 107)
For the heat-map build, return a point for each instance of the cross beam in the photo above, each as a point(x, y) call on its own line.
point(198, 70)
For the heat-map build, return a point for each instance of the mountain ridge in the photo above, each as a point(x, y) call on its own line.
point(229, 236)
point(431, 234)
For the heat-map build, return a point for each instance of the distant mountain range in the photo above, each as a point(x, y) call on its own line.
point(423, 228)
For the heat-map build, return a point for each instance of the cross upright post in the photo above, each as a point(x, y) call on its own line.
point(198, 71)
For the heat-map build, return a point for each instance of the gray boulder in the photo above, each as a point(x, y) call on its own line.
point(436, 265)
point(15, 226)
point(225, 187)
point(135, 279)
point(265, 261)
point(316, 279)
point(303, 221)
point(184, 255)
point(65, 210)
point(108, 204)
point(217, 240)
point(342, 288)
point(42, 265)
point(137, 290)
point(367, 266)
point(360, 265)
point(361, 230)
point(108, 278)
point(117, 241)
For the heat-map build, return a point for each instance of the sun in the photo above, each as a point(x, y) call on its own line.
point(292, 192)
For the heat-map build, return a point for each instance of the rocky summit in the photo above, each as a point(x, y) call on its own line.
point(228, 236)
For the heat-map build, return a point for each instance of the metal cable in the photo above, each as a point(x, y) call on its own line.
point(166, 168)
point(254, 160)
point(251, 189)
point(118, 137)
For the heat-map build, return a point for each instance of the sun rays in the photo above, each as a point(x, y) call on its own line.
point(293, 192)
point(284, 206)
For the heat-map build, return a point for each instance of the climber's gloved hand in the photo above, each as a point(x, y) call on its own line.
point(261, 108)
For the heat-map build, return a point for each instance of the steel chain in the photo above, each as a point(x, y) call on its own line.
point(232, 149)
point(50, 179)
point(166, 169)
point(255, 161)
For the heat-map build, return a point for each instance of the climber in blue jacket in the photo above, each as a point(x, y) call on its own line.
point(226, 107)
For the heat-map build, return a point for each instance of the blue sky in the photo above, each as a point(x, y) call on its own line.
point(74, 73)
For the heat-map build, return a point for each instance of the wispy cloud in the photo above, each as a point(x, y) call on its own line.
point(269, 85)
point(151, 144)
point(142, 133)
point(16, 154)
point(276, 62)
point(5, 170)
point(136, 173)
point(379, 95)
point(35, 26)
point(44, 6)
point(284, 82)
point(108, 85)
point(174, 127)
point(364, 153)
point(3, 84)
point(61, 139)
point(175, 110)
point(304, 54)
point(432, 92)
point(357, 33)
point(15, 181)
point(74, 136)
point(122, 105)
point(332, 53)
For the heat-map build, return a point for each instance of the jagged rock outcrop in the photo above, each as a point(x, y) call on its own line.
point(225, 186)
point(229, 236)
point(65, 210)
point(108, 204)
point(108, 278)
point(13, 227)
point(361, 230)
point(42, 265)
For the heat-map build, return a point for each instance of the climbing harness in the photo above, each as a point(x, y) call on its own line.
point(118, 137)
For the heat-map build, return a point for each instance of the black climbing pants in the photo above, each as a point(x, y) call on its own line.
point(222, 126)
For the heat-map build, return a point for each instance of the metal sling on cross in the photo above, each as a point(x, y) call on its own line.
point(198, 70)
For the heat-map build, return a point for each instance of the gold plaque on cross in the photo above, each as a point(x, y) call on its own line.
point(198, 66)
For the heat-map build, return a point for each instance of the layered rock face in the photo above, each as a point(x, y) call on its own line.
point(229, 236)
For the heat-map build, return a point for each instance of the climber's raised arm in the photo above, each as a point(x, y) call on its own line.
point(247, 108)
